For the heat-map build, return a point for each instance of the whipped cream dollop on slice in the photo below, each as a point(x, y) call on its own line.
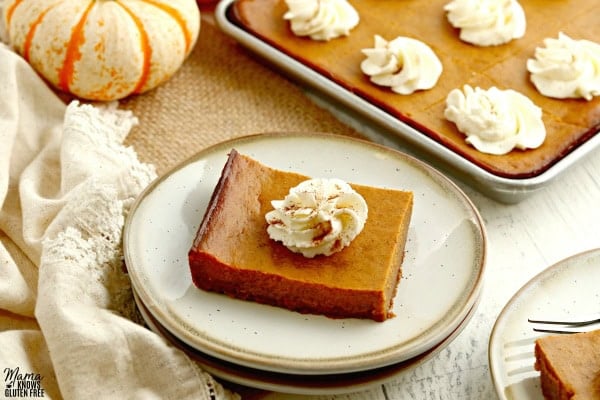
point(403, 64)
point(487, 22)
point(496, 121)
point(321, 19)
point(319, 216)
point(566, 68)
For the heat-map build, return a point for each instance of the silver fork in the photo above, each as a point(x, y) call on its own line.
point(566, 324)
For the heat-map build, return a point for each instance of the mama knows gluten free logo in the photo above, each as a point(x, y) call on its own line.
point(22, 384)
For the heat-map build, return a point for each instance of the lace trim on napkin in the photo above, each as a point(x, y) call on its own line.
point(89, 226)
point(93, 243)
point(82, 270)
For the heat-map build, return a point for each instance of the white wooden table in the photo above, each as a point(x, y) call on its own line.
point(561, 220)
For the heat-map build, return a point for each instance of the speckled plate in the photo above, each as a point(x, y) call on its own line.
point(568, 288)
point(300, 384)
point(443, 267)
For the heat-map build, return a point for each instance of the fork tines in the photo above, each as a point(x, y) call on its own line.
point(567, 325)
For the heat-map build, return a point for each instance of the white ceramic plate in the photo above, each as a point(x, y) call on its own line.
point(299, 384)
point(568, 288)
point(443, 266)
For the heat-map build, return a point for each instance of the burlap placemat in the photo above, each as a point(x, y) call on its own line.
point(220, 92)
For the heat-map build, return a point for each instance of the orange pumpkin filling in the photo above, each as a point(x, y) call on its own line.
point(233, 254)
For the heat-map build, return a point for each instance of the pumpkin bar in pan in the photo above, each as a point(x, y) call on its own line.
point(568, 122)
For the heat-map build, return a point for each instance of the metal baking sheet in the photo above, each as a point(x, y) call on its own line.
point(384, 128)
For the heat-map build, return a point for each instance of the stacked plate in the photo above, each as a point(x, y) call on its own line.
point(276, 349)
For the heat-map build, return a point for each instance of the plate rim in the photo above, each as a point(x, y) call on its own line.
point(303, 366)
point(320, 386)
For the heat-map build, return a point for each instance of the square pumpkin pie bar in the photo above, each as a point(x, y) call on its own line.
point(234, 254)
point(569, 366)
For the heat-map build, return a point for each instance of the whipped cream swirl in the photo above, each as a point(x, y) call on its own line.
point(319, 216)
point(321, 19)
point(403, 64)
point(566, 68)
point(487, 22)
point(496, 121)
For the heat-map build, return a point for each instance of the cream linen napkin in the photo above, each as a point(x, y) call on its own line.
point(67, 318)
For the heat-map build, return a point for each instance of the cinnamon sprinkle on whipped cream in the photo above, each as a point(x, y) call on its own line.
point(496, 121)
point(317, 217)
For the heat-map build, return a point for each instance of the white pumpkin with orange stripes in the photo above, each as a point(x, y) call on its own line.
point(103, 49)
